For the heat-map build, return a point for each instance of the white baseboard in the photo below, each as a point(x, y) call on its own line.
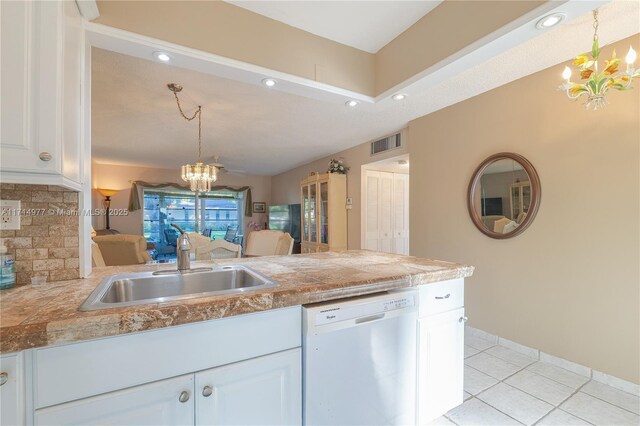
point(482, 334)
point(616, 382)
point(525, 350)
point(582, 370)
point(567, 365)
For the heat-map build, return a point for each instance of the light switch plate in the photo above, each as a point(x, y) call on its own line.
point(9, 215)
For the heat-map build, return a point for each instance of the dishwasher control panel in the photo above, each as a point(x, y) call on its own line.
point(365, 307)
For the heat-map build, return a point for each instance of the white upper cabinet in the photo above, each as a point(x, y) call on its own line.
point(42, 57)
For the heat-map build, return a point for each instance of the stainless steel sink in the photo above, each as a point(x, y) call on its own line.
point(145, 287)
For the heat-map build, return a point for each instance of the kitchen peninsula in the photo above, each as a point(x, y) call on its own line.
point(72, 367)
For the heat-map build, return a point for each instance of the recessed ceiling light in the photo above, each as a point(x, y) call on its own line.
point(399, 96)
point(351, 103)
point(161, 56)
point(550, 21)
point(269, 82)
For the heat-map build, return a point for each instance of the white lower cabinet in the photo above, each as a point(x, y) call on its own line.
point(260, 391)
point(166, 402)
point(11, 390)
point(441, 364)
point(243, 370)
point(440, 350)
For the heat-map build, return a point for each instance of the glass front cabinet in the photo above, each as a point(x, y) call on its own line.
point(324, 214)
point(520, 200)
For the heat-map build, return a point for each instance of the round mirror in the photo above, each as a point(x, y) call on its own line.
point(504, 195)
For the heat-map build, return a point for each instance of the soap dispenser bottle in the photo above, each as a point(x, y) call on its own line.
point(7, 269)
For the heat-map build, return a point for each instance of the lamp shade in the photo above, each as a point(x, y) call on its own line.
point(107, 192)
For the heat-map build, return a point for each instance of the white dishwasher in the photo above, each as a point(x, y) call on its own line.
point(359, 361)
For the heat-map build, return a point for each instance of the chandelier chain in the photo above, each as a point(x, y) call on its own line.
point(198, 114)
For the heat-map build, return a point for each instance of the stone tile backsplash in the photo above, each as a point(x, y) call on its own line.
point(47, 242)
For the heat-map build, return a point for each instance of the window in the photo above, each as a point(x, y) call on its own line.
point(163, 207)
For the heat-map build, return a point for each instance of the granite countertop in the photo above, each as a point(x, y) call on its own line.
point(35, 317)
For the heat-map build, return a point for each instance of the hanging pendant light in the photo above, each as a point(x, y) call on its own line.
point(199, 175)
point(597, 83)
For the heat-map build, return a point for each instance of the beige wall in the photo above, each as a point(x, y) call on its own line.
point(285, 187)
point(429, 40)
point(118, 177)
point(233, 32)
point(570, 284)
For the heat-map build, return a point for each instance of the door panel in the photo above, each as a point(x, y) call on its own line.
point(371, 228)
point(401, 214)
point(261, 391)
point(385, 215)
point(30, 99)
point(151, 404)
point(440, 364)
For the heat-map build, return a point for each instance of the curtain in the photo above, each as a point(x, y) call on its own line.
point(135, 203)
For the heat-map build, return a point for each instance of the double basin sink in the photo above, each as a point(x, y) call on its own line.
point(164, 286)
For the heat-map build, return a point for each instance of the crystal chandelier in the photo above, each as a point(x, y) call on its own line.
point(199, 175)
point(597, 83)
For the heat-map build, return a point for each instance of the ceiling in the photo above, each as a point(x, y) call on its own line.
point(265, 131)
point(365, 25)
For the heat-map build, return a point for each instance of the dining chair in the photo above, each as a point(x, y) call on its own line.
point(222, 249)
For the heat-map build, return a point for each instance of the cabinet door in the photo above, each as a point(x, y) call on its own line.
point(31, 66)
point(11, 390)
point(305, 213)
point(313, 223)
point(323, 208)
point(157, 403)
point(262, 391)
point(440, 364)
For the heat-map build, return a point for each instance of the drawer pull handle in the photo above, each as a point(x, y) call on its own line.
point(4, 377)
point(45, 156)
point(463, 319)
point(184, 397)
point(443, 297)
point(207, 391)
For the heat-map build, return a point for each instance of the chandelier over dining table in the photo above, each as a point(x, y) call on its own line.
point(199, 175)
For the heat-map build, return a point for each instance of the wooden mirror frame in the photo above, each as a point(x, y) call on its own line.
point(535, 194)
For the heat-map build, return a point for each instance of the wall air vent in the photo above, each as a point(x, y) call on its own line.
point(386, 144)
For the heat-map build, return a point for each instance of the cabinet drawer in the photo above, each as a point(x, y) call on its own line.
point(441, 297)
point(74, 371)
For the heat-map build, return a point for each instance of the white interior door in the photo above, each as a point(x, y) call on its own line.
point(386, 219)
point(401, 213)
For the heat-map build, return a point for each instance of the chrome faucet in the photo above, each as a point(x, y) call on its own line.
point(183, 248)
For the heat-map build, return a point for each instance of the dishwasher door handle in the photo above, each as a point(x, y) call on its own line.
point(369, 318)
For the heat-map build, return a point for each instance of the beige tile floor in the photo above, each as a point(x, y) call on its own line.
point(505, 387)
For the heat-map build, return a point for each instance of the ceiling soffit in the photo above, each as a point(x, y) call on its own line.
point(232, 32)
